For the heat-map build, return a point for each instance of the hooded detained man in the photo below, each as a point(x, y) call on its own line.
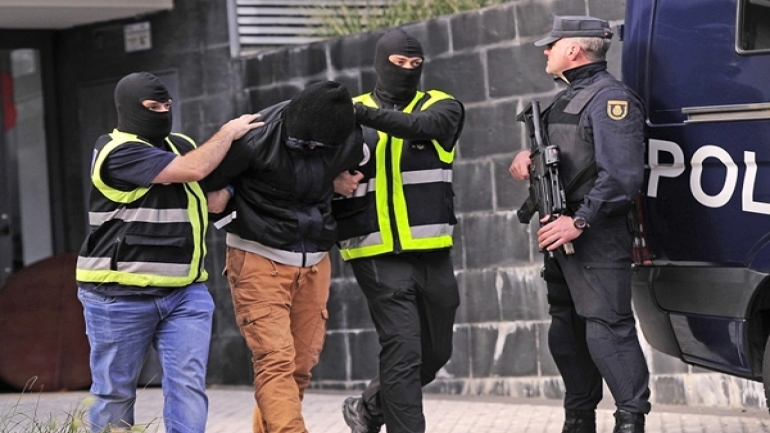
point(395, 231)
point(140, 271)
point(279, 239)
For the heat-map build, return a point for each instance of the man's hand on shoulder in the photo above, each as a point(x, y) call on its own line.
point(197, 164)
point(239, 126)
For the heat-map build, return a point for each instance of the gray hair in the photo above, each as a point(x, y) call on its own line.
point(595, 49)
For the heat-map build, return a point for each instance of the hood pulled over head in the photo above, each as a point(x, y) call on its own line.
point(321, 115)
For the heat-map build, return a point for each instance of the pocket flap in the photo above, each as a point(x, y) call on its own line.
point(249, 316)
point(158, 241)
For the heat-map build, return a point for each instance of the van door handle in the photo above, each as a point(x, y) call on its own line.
point(727, 113)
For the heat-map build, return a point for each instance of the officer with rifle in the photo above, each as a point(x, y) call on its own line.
point(546, 195)
point(598, 126)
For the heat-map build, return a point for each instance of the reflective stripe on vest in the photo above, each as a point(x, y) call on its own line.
point(411, 238)
point(427, 176)
point(170, 269)
point(145, 273)
point(140, 214)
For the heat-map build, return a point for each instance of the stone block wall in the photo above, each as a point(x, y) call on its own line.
point(486, 59)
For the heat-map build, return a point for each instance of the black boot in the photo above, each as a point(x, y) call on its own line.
point(627, 422)
point(358, 418)
point(579, 421)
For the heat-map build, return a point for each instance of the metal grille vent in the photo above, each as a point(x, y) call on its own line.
point(269, 23)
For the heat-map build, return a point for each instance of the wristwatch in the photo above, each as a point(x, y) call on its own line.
point(580, 223)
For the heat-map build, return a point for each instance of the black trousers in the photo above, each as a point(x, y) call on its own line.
point(412, 298)
point(593, 334)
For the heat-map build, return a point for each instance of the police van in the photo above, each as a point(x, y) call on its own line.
point(701, 287)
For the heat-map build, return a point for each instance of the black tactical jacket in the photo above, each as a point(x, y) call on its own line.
point(283, 195)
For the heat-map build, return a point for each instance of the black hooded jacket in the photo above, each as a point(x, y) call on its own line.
point(283, 195)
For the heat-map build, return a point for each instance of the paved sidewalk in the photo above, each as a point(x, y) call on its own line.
point(230, 412)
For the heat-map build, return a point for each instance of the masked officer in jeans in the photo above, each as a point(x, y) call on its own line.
point(395, 230)
point(278, 245)
point(140, 271)
point(598, 125)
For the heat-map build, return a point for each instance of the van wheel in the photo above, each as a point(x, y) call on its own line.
point(766, 372)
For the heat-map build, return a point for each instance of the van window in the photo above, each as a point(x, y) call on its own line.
point(754, 22)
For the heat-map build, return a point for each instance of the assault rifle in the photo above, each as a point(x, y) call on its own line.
point(546, 194)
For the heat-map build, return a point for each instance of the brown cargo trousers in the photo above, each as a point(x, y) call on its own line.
point(281, 312)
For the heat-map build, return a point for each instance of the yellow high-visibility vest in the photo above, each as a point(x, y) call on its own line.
point(148, 236)
point(390, 199)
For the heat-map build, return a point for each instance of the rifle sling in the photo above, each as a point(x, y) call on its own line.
point(576, 106)
point(584, 176)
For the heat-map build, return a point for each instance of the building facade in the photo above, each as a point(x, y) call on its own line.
point(485, 58)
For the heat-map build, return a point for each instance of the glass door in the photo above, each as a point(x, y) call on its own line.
point(25, 215)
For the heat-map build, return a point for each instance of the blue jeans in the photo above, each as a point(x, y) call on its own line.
point(121, 330)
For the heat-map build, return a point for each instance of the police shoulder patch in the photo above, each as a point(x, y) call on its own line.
point(617, 110)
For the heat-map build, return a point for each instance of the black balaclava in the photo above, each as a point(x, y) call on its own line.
point(321, 113)
point(396, 85)
point(135, 118)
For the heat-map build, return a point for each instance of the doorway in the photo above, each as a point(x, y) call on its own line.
point(25, 206)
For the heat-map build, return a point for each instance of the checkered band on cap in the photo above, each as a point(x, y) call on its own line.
point(576, 27)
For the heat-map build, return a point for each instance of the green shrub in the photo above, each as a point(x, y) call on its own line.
point(23, 417)
point(19, 418)
point(343, 19)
